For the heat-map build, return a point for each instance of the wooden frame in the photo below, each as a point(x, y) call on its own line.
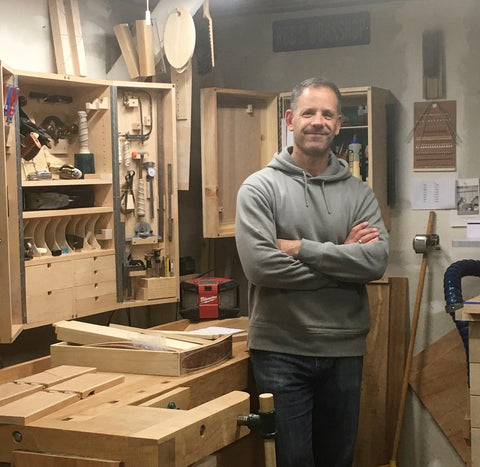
point(239, 136)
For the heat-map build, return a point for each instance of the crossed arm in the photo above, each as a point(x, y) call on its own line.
point(360, 233)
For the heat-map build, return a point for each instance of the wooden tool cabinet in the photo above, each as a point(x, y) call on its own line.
point(471, 313)
point(86, 257)
point(241, 130)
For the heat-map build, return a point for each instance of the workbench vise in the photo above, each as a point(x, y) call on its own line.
point(264, 420)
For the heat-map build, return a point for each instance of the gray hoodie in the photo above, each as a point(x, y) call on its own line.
point(316, 304)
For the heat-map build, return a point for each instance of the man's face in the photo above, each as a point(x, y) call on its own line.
point(315, 122)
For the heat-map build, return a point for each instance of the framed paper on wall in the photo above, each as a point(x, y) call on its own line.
point(435, 136)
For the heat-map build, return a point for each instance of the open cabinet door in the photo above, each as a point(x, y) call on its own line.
point(11, 315)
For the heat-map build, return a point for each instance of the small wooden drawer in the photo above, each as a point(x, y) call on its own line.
point(49, 276)
point(474, 342)
point(50, 306)
point(97, 304)
point(96, 289)
point(154, 288)
point(475, 411)
point(93, 270)
point(475, 379)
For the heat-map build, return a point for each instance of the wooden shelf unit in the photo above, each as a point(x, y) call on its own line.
point(241, 130)
point(74, 257)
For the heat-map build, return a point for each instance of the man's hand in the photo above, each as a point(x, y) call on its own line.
point(290, 247)
point(361, 233)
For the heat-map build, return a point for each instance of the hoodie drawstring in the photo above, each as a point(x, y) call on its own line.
point(305, 191)
point(305, 188)
point(324, 197)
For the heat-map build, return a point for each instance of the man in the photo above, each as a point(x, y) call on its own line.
point(310, 236)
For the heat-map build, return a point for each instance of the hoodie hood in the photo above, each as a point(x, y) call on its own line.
point(337, 170)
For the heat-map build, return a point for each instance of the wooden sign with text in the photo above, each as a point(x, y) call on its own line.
point(321, 32)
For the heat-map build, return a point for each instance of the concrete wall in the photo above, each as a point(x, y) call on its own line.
point(392, 60)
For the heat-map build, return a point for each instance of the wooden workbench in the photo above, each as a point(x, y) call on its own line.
point(108, 427)
point(117, 427)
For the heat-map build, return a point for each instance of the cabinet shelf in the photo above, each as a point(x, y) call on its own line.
point(354, 127)
point(66, 212)
point(47, 259)
point(46, 183)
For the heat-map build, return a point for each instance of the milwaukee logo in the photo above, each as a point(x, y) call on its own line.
point(205, 300)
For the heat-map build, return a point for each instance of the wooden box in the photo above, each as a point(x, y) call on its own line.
point(147, 362)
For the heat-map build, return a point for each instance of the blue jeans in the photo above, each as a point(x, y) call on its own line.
point(317, 403)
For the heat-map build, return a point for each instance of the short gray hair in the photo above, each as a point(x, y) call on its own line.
point(314, 83)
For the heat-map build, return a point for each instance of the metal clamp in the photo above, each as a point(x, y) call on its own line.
point(424, 242)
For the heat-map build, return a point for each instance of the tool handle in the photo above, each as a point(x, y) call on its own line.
point(411, 343)
point(267, 405)
point(141, 197)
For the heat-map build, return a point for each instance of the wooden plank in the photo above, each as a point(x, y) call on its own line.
point(56, 375)
point(117, 360)
point(77, 332)
point(61, 41)
point(397, 350)
point(181, 336)
point(371, 447)
point(439, 378)
point(146, 58)
point(21, 370)
point(35, 406)
point(216, 419)
point(186, 325)
point(13, 391)
point(129, 53)
point(88, 384)
point(41, 459)
point(183, 96)
point(76, 37)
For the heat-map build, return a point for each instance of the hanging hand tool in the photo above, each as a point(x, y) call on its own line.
point(11, 103)
point(151, 172)
point(141, 189)
point(7, 96)
point(127, 200)
point(170, 194)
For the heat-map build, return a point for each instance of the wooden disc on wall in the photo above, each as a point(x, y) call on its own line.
point(179, 38)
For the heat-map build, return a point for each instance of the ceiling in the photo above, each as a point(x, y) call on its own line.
point(281, 6)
